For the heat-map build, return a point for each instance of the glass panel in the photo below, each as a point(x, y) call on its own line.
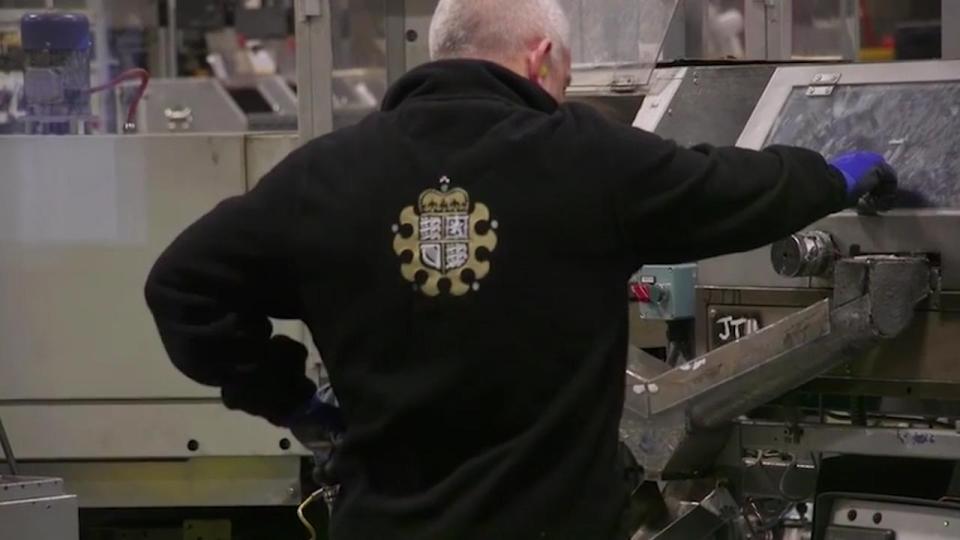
point(915, 125)
point(824, 29)
point(621, 36)
point(723, 29)
point(359, 59)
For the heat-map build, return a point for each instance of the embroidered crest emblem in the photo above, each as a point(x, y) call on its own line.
point(441, 241)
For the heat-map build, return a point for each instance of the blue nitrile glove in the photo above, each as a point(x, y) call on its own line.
point(319, 425)
point(871, 181)
point(319, 421)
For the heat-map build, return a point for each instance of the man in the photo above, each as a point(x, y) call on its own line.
point(460, 259)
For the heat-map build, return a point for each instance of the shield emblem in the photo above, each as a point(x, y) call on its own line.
point(444, 242)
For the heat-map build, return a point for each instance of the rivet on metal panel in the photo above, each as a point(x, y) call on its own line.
point(653, 388)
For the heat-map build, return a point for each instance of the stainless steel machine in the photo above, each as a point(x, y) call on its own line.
point(35, 508)
point(823, 400)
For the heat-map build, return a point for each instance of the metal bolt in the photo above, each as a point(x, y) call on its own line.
point(412, 36)
point(818, 78)
point(877, 518)
point(851, 515)
point(638, 389)
point(653, 388)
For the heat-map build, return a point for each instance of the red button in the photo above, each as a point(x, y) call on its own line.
point(640, 292)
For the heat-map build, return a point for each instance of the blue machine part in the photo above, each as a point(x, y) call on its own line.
point(56, 88)
point(665, 293)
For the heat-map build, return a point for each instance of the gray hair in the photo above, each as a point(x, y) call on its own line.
point(495, 28)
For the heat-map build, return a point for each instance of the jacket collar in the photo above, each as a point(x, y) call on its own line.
point(467, 78)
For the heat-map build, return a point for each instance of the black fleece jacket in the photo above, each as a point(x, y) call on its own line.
point(460, 259)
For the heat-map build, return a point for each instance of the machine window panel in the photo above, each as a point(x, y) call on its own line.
point(625, 35)
point(915, 125)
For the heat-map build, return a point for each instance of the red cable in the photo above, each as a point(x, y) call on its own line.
point(135, 73)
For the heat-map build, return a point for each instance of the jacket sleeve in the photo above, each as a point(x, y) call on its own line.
point(675, 204)
point(214, 289)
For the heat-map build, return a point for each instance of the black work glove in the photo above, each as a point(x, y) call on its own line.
point(274, 387)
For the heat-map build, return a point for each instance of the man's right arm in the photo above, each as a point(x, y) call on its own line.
point(675, 204)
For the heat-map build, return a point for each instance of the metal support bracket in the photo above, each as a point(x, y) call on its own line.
point(677, 423)
point(314, 68)
point(7, 449)
point(769, 29)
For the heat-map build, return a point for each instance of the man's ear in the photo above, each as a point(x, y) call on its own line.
point(538, 62)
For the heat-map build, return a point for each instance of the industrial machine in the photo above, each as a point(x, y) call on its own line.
point(34, 507)
point(823, 400)
point(206, 105)
point(805, 390)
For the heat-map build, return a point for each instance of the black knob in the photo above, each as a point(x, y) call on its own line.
point(808, 254)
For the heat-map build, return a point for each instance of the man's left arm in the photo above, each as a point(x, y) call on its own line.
point(213, 291)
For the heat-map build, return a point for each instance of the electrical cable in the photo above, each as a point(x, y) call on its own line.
point(303, 506)
point(780, 485)
point(135, 73)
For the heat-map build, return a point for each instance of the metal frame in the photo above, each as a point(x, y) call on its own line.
point(882, 372)
point(951, 29)
point(769, 29)
point(675, 423)
point(173, 40)
point(417, 17)
point(663, 88)
point(407, 18)
point(314, 68)
point(788, 78)
point(804, 439)
point(37, 508)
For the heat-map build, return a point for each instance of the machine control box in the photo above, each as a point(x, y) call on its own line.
point(665, 293)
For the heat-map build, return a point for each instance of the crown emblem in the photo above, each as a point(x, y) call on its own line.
point(451, 202)
point(443, 246)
